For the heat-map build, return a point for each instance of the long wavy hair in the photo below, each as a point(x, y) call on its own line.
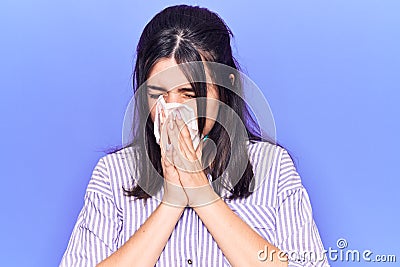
point(188, 34)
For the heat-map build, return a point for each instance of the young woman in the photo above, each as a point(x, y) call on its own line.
point(174, 201)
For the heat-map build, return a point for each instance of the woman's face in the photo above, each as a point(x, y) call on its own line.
point(166, 78)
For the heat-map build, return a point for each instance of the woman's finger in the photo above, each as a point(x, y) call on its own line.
point(187, 156)
point(166, 144)
point(170, 131)
point(199, 149)
point(191, 161)
point(185, 139)
point(180, 159)
point(163, 132)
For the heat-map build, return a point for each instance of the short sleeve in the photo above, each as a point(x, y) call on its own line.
point(95, 234)
point(297, 233)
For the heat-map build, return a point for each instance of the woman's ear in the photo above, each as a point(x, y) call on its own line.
point(232, 78)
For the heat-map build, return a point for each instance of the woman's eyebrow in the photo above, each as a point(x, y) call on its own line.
point(184, 89)
point(156, 88)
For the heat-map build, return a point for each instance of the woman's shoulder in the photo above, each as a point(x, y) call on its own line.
point(121, 165)
point(273, 168)
point(262, 149)
point(124, 153)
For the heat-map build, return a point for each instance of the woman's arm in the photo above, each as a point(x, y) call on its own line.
point(96, 231)
point(146, 244)
point(296, 231)
point(237, 240)
point(95, 235)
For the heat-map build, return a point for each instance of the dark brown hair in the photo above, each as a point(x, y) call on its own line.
point(191, 33)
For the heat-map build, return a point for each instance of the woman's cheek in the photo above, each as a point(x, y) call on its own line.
point(152, 107)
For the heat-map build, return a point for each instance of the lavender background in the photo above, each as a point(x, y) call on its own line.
point(329, 69)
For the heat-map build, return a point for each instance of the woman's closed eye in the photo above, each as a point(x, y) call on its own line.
point(155, 96)
point(189, 96)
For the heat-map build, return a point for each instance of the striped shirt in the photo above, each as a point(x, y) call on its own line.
point(279, 210)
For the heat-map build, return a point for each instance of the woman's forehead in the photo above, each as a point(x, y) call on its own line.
point(167, 73)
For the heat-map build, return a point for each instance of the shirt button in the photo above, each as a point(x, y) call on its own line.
point(189, 261)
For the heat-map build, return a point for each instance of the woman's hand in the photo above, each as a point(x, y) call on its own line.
point(173, 190)
point(187, 163)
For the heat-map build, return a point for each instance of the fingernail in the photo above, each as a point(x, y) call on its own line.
point(168, 147)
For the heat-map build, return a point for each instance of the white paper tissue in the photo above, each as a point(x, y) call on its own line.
point(187, 114)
